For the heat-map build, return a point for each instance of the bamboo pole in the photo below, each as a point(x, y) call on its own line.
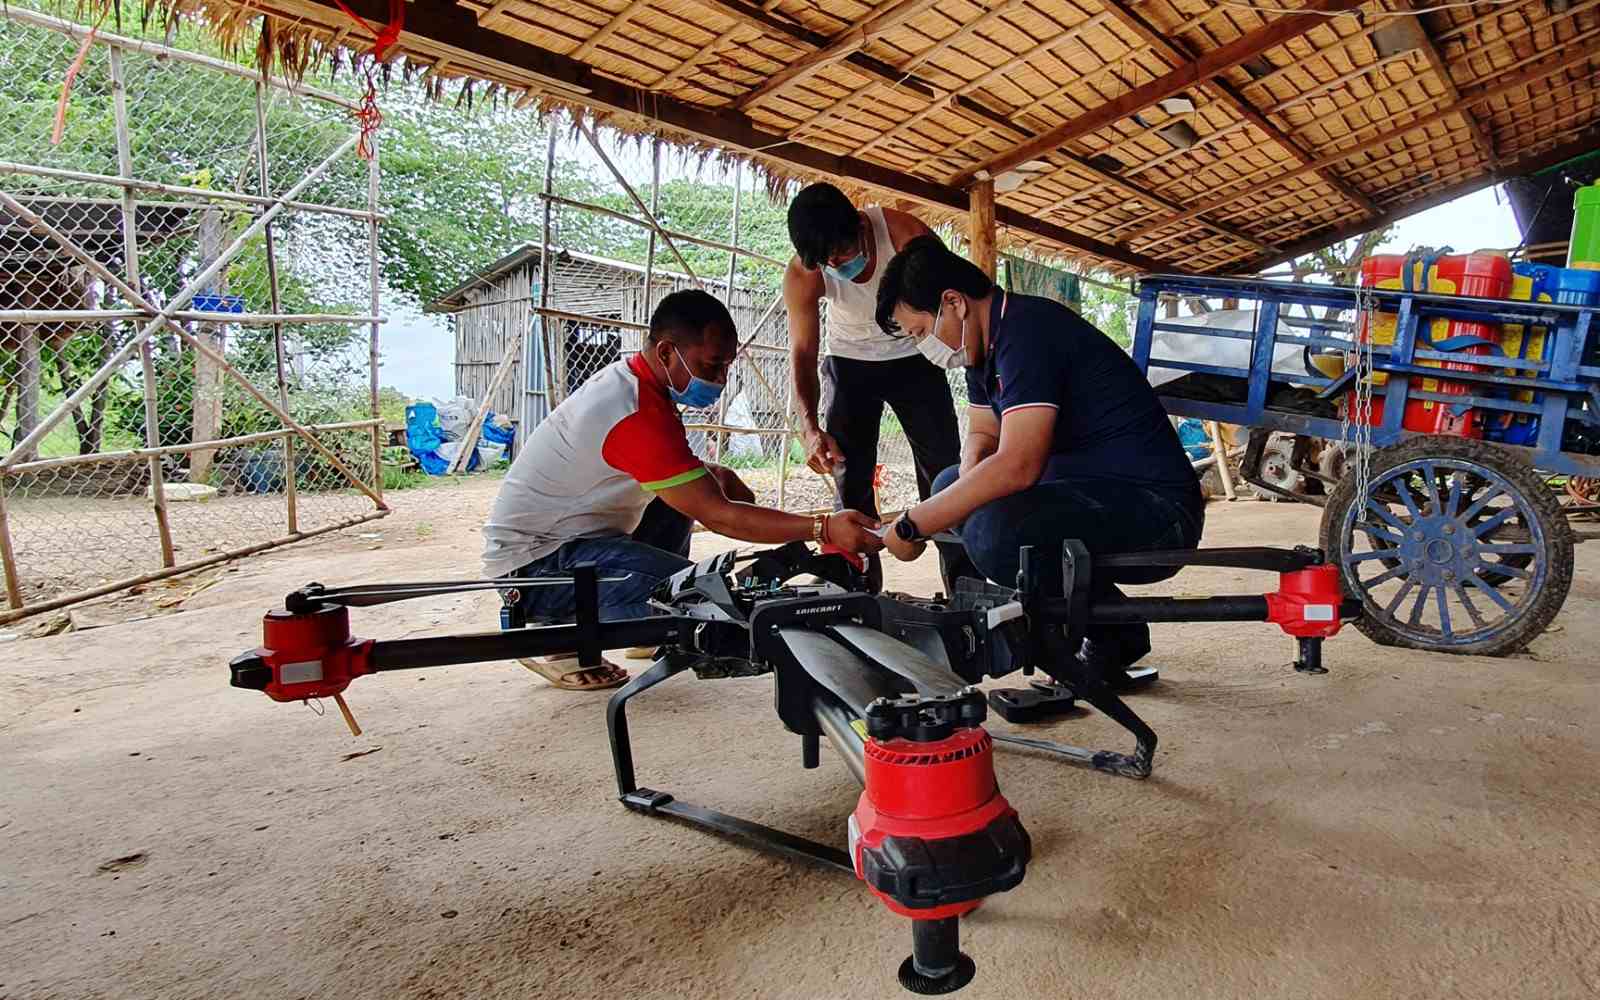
point(241, 319)
point(546, 271)
point(784, 442)
point(727, 300)
point(291, 499)
point(375, 278)
point(133, 454)
point(1223, 473)
point(675, 234)
point(162, 316)
point(655, 206)
point(210, 196)
point(633, 195)
point(239, 553)
point(130, 250)
point(8, 557)
point(469, 442)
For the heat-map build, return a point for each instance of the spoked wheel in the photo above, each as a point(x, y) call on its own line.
point(1457, 547)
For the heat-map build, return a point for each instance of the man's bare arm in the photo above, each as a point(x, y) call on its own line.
point(703, 500)
point(802, 298)
point(983, 437)
point(904, 227)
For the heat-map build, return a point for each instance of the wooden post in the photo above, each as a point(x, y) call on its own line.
point(469, 441)
point(290, 487)
point(1224, 474)
point(28, 372)
point(982, 226)
point(130, 254)
point(207, 376)
point(8, 558)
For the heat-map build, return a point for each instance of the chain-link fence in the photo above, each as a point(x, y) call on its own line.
point(629, 221)
point(188, 298)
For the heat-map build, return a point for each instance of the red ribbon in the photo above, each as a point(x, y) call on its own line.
point(391, 32)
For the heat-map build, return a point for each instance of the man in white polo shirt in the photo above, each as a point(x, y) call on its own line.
point(608, 478)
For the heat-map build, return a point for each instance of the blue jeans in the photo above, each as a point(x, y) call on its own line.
point(1107, 516)
point(658, 548)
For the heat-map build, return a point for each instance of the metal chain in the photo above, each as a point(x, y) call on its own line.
point(1355, 432)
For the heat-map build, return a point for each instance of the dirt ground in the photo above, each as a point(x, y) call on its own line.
point(1407, 825)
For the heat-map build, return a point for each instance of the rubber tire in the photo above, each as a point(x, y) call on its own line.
point(1535, 491)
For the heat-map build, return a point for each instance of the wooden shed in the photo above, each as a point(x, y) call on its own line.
point(597, 311)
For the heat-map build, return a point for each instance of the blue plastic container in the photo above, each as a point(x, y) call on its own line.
point(213, 303)
point(1572, 286)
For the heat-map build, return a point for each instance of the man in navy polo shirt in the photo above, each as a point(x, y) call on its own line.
point(1065, 437)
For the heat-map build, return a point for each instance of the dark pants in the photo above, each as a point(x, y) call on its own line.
point(919, 395)
point(658, 548)
point(1107, 516)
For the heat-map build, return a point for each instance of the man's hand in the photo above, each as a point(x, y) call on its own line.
point(822, 451)
point(733, 487)
point(900, 548)
point(852, 531)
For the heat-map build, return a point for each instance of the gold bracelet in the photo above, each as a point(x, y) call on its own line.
point(816, 527)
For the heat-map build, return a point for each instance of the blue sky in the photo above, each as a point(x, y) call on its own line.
point(417, 349)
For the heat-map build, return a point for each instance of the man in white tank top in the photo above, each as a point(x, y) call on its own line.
point(840, 256)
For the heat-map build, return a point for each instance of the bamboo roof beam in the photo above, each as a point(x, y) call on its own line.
point(1258, 181)
point(1243, 48)
point(608, 29)
point(1176, 50)
point(944, 44)
point(1066, 37)
point(1430, 52)
point(455, 32)
point(689, 65)
point(840, 46)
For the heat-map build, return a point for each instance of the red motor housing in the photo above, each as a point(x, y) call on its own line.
point(932, 835)
point(305, 655)
point(1307, 602)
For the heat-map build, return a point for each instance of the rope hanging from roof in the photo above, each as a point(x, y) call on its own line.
point(368, 116)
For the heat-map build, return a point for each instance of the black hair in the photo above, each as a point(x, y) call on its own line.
point(921, 273)
point(821, 221)
point(685, 317)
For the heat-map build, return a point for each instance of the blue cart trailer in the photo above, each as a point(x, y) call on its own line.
point(1455, 543)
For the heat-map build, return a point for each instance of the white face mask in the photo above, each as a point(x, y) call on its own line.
point(939, 352)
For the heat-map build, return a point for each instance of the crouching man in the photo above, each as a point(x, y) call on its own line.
point(608, 478)
point(1065, 438)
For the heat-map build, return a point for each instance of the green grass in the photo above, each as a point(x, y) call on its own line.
point(62, 441)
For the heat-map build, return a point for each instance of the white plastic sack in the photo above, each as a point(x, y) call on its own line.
point(455, 416)
point(489, 452)
point(1224, 352)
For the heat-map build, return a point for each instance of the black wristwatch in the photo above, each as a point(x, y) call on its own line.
point(906, 529)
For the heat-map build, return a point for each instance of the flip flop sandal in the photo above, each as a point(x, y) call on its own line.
point(565, 673)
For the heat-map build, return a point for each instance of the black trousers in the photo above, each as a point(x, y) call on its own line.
point(919, 395)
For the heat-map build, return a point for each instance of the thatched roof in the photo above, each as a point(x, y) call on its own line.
point(1208, 135)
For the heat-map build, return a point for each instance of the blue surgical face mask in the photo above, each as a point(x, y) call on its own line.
point(698, 394)
point(851, 269)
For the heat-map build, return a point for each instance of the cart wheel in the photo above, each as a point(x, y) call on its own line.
point(1458, 547)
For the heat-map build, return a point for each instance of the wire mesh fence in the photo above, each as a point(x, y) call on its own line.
point(187, 313)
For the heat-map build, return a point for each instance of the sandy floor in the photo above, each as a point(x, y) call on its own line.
point(1408, 825)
